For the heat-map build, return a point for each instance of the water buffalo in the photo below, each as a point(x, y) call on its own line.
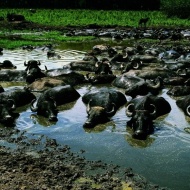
point(103, 67)
point(20, 96)
point(101, 105)
point(179, 91)
point(1, 89)
point(184, 104)
point(13, 75)
point(33, 71)
point(143, 110)
point(100, 78)
point(49, 100)
point(7, 64)
point(134, 85)
point(11, 17)
point(7, 116)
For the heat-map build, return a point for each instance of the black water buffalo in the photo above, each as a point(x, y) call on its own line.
point(20, 96)
point(7, 116)
point(33, 71)
point(7, 64)
point(179, 91)
point(134, 85)
point(49, 100)
point(11, 17)
point(13, 75)
point(184, 104)
point(103, 67)
point(101, 105)
point(100, 78)
point(143, 110)
point(143, 22)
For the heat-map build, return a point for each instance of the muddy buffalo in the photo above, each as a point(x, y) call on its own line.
point(49, 100)
point(143, 110)
point(101, 105)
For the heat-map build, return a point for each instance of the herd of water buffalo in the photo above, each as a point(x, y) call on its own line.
point(139, 72)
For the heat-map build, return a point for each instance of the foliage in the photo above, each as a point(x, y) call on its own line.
point(178, 8)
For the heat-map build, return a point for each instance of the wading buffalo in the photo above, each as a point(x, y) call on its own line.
point(12, 75)
point(143, 110)
point(7, 116)
point(33, 71)
point(184, 104)
point(103, 67)
point(101, 105)
point(49, 100)
point(179, 91)
point(7, 64)
point(20, 96)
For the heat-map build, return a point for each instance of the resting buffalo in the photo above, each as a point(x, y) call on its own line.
point(1, 89)
point(7, 64)
point(11, 17)
point(33, 71)
point(100, 78)
point(179, 91)
point(49, 100)
point(103, 67)
point(12, 75)
point(137, 86)
point(101, 105)
point(20, 96)
point(143, 110)
point(184, 104)
point(7, 116)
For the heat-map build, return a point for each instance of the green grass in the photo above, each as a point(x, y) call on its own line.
point(58, 17)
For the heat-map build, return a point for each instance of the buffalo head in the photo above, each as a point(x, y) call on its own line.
point(46, 108)
point(103, 67)
point(97, 114)
point(6, 114)
point(143, 110)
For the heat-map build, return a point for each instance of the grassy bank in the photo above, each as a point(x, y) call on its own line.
point(59, 18)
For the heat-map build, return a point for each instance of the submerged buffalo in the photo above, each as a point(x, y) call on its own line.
point(49, 100)
point(6, 64)
point(101, 105)
point(33, 71)
point(143, 110)
point(184, 104)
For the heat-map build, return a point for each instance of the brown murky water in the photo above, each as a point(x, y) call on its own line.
point(164, 158)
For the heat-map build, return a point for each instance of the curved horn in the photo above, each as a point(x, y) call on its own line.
point(130, 109)
point(156, 86)
point(110, 113)
point(25, 64)
point(152, 109)
point(88, 106)
point(97, 64)
point(12, 104)
point(135, 65)
point(34, 109)
point(38, 62)
point(180, 72)
point(188, 110)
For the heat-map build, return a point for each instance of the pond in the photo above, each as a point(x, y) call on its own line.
point(164, 158)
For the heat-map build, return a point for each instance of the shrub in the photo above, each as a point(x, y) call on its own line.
point(178, 8)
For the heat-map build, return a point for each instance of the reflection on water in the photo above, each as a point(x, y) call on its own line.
point(163, 158)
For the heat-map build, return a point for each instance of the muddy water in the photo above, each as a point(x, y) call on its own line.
point(164, 158)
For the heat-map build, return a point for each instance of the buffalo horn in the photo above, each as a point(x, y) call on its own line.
point(12, 104)
point(97, 64)
point(130, 109)
point(110, 113)
point(188, 110)
point(88, 107)
point(152, 109)
point(34, 109)
point(38, 62)
point(136, 65)
point(25, 64)
point(181, 72)
point(156, 86)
